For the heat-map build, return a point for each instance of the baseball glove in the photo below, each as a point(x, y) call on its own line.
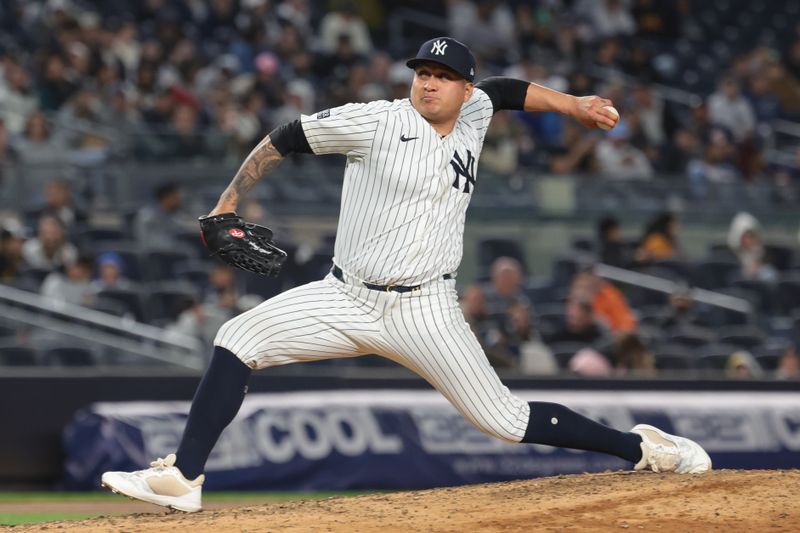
point(242, 244)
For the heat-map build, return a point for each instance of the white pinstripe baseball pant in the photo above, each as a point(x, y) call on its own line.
point(423, 330)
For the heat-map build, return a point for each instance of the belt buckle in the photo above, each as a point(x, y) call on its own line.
point(390, 287)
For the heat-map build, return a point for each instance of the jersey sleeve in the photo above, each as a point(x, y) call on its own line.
point(478, 111)
point(348, 129)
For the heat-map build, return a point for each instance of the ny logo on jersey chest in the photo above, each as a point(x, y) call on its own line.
point(463, 169)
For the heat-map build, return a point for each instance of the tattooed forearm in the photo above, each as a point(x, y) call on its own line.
point(264, 158)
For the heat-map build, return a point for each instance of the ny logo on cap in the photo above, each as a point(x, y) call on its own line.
point(438, 48)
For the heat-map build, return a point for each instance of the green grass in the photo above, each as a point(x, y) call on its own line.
point(245, 498)
point(24, 497)
point(13, 519)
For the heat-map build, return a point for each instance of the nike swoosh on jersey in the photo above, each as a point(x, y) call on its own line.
point(405, 139)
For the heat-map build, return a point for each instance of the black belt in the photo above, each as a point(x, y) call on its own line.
point(337, 272)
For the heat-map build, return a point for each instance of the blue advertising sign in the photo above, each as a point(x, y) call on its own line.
point(414, 439)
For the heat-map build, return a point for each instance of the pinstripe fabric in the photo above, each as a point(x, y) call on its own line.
point(402, 219)
point(424, 331)
point(404, 201)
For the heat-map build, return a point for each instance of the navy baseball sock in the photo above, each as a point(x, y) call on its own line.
point(556, 425)
point(217, 400)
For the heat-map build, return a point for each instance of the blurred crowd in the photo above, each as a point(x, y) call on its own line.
point(575, 321)
point(84, 81)
point(175, 79)
point(588, 326)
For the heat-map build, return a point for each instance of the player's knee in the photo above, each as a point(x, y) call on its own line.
point(501, 431)
point(226, 339)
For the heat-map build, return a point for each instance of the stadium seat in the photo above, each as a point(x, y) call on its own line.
point(110, 306)
point(721, 251)
point(194, 272)
point(68, 356)
point(583, 244)
point(679, 269)
point(130, 298)
point(564, 268)
point(92, 237)
point(787, 294)
point(691, 336)
point(714, 362)
point(160, 265)
point(779, 256)
point(745, 337)
point(674, 362)
point(166, 301)
point(765, 291)
point(17, 356)
point(713, 273)
point(263, 286)
point(539, 291)
point(316, 268)
point(768, 362)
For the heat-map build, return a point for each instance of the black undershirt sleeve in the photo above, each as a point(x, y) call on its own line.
point(290, 138)
point(505, 93)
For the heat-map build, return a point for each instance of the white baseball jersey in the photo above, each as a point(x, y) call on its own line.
point(406, 192)
point(406, 189)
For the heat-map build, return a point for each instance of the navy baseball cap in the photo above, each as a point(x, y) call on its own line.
point(448, 52)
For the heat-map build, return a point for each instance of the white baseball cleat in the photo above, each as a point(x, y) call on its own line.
point(161, 484)
point(662, 452)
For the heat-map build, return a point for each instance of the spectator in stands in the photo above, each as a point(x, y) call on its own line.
point(37, 143)
point(83, 112)
point(588, 362)
point(681, 311)
point(473, 305)
point(157, 225)
point(788, 364)
point(58, 202)
point(222, 287)
point(660, 239)
point(608, 302)
point(343, 20)
point(576, 154)
point(110, 273)
point(486, 26)
point(500, 154)
point(184, 139)
point(729, 109)
point(632, 356)
point(612, 249)
point(5, 150)
point(610, 18)
point(533, 356)
point(17, 101)
point(12, 238)
point(741, 364)
point(654, 117)
point(507, 285)
point(203, 319)
point(657, 20)
point(766, 106)
point(580, 325)
point(72, 285)
point(617, 158)
point(49, 250)
point(744, 240)
point(715, 167)
point(55, 87)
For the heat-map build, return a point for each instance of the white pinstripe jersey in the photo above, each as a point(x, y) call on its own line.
point(406, 189)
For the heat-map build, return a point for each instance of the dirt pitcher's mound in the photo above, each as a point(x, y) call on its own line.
point(724, 500)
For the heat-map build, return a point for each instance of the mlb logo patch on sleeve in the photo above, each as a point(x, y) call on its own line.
point(324, 114)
